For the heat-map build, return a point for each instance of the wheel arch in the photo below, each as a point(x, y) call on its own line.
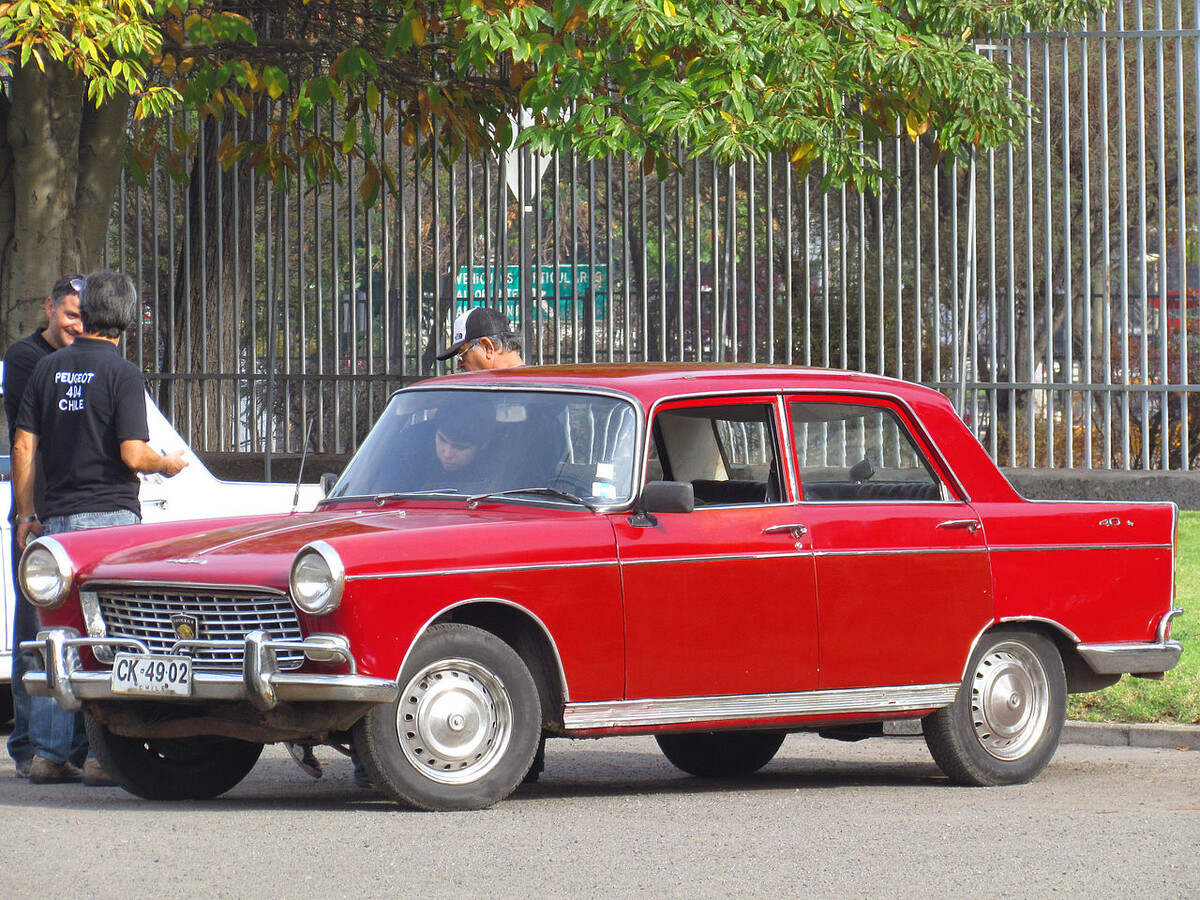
point(1080, 677)
point(526, 634)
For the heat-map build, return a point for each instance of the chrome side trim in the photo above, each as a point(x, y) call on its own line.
point(682, 710)
point(1038, 548)
point(907, 551)
point(1057, 626)
point(716, 557)
point(880, 501)
point(483, 570)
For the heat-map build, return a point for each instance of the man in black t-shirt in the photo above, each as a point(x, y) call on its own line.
point(63, 325)
point(84, 413)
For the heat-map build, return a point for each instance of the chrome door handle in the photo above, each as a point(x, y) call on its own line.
point(795, 530)
point(972, 525)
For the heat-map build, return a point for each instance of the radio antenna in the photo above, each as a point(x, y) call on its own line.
point(303, 456)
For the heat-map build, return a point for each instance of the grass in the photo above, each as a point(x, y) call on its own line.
point(1177, 697)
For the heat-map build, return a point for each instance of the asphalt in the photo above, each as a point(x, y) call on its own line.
point(1096, 734)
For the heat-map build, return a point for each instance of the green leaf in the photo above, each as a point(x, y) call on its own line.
point(276, 81)
point(369, 187)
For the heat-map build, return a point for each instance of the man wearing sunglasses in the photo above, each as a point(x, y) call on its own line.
point(63, 326)
point(84, 416)
point(484, 339)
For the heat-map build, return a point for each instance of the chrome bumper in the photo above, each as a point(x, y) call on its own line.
point(1135, 658)
point(260, 682)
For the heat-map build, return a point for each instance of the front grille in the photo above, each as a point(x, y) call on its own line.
point(221, 614)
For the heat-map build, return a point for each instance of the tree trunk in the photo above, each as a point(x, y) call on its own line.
point(60, 161)
point(212, 298)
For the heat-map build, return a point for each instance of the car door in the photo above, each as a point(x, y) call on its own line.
point(720, 600)
point(901, 564)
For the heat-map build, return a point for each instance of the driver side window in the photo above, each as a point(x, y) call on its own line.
point(726, 452)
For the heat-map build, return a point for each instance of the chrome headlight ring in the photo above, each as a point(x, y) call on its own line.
point(317, 579)
point(46, 573)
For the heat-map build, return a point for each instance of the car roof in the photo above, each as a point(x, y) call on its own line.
point(648, 382)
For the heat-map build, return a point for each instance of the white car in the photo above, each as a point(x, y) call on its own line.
point(195, 493)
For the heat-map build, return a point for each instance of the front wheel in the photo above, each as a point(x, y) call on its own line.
point(1004, 725)
point(720, 754)
point(464, 729)
point(194, 768)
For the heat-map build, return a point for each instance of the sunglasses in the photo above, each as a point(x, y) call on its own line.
point(77, 284)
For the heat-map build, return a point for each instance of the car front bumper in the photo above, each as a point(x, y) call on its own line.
point(260, 682)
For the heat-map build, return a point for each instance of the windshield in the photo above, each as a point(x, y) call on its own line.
point(471, 442)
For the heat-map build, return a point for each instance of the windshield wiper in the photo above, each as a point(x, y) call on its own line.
point(381, 499)
point(544, 491)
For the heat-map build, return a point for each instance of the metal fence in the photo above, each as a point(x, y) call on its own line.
point(1050, 289)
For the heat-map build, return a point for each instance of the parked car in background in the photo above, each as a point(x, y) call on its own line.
point(715, 555)
point(195, 493)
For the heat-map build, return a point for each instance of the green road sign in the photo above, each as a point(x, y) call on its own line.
point(565, 282)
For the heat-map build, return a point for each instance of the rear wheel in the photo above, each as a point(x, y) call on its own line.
point(194, 768)
point(720, 754)
point(464, 729)
point(6, 704)
point(1004, 725)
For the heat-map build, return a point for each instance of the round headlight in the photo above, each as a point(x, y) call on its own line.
point(317, 579)
point(46, 573)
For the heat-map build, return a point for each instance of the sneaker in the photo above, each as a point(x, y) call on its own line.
point(43, 771)
point(23, 767)
point(94, 774)
point(305, 758)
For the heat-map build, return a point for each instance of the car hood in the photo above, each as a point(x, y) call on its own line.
point(370, 542)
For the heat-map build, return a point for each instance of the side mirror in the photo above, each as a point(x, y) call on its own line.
point(668, 497)
point(328, 480)
point(862, 470)
point(662, 497)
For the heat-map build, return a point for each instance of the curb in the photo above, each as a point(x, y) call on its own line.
point(1118, 734)
point(1098, 734)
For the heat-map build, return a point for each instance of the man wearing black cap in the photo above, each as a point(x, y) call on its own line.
point(484, 339)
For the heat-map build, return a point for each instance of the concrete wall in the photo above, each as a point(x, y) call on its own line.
point(1037, 484)
point(1104, 484)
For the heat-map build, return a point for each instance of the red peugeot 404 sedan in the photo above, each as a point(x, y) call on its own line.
point(715, 555)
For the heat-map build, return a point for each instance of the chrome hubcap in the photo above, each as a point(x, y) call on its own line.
point(1010, 700)
point(454, 721)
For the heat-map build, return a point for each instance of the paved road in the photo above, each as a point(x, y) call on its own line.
point(612, 818)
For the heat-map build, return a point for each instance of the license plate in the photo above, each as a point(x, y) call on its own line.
point(140, 673)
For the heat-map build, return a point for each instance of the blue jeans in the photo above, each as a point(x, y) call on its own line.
point(24, 628)
point(55, 733)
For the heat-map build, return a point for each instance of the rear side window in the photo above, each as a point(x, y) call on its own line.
point(858, 452)
point(727, 452)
